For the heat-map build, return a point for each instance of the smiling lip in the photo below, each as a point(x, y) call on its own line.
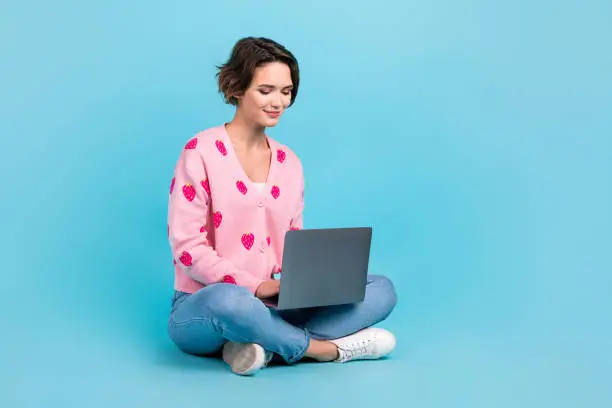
point(273, 114)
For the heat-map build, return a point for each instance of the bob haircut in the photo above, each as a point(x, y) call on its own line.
point(249, 53)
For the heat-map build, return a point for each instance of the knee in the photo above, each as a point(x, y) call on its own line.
point(382, 295)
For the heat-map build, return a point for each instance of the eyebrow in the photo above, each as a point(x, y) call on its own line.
point(272, 86)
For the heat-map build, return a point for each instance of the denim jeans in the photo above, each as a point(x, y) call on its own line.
point(202, 322)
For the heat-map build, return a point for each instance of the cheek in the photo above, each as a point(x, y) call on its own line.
point(259, 101)
point(252, 105)
point(286, 100)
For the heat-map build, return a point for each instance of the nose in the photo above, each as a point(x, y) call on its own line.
point(277, 101)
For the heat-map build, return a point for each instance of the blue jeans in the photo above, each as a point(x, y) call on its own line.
point(202, 322)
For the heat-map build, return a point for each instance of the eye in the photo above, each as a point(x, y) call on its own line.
point(287, 93)
point(261, 91)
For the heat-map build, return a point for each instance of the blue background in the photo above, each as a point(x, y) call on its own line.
point(475, 136)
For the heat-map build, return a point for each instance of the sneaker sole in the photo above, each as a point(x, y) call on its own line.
point(244, 359)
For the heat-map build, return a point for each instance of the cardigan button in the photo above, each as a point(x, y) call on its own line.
point(260, 204)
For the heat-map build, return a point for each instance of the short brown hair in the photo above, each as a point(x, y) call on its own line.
point(235, 76)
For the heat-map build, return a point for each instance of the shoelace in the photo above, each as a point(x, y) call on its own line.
point(356, 349)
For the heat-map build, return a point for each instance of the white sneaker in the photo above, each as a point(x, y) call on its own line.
point(367, 344)
point(245, 358)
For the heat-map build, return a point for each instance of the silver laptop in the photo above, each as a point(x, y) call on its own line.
point(323, 267)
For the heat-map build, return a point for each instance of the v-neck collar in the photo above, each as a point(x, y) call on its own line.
point(251, 184)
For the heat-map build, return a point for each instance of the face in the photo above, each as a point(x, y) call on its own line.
point(269, 94)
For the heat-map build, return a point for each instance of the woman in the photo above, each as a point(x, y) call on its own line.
point(234, 195)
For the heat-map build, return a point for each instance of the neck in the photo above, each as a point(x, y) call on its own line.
point(246, 135)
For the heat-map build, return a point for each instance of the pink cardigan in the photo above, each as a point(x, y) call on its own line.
point(221, 227)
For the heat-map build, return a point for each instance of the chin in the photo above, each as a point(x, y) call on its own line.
point(268, 122)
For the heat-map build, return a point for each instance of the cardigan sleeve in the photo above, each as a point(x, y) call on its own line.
point(187, 225)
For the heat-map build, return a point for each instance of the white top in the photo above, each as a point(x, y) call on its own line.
point(260, 186)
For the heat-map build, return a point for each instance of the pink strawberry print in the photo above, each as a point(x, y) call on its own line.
point(248, 240)
point(275, 192)
point(205, 185)
point(229, 279)
point(268, 240)
point(172, 184)
point(189, 192)
point(241, 187)
point(217, 218)
point(174, 261)
point(281, 155)
point(202, 229)
point(186, 259)
point(192, 144)
point(221, 147)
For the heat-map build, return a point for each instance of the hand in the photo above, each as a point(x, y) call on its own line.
point(268, 289)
